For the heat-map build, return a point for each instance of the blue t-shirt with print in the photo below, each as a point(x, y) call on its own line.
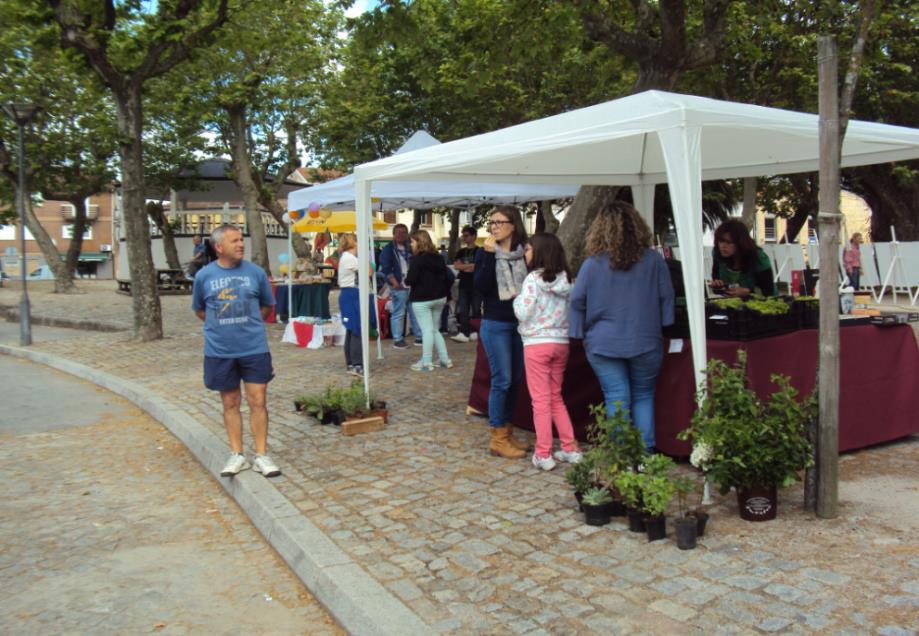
point(232, 300)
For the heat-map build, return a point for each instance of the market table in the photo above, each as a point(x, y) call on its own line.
point(309, 299)
point(878, 383)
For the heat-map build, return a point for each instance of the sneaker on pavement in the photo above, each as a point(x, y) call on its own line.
point(572, 457)
point(263, 464)
point(400, 344)
point(418, 342)
point(446, 365)
point(421, 366)
point(460, 337)
point(236, 463)
point(543, 463)
point(473, 336)
point(358, 371)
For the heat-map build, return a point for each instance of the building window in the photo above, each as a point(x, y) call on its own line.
point(769, 228)
point(427, 219)
point(67, 232)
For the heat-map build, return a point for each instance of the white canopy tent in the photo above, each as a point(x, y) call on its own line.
point(639, 141)
point(422, 195)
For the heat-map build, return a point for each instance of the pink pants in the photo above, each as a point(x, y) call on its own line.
point(545, 365)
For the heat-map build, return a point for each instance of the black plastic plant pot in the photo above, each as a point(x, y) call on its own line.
point(636, 522)
point(596, 515)
point(687, 529)
point(617, 508)
point(332, 417)
point(757, 503)
point(656, 527)
point(701, 519)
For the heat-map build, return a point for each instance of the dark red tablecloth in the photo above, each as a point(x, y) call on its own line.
point(878, 392)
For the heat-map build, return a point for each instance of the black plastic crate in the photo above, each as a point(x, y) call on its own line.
point(806, 313)
point(744, 324)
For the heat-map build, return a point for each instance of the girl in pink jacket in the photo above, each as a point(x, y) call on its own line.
point(542, 311)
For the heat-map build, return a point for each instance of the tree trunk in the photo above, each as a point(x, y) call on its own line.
point(893, 202)
point(148, 314)
point(454, 233)
point(416, 220)
point(549, 221)
point(156, 212)
point(63, 278)
point(573, 231)
point(748, 216)
point(269, 201)
point(242, 171)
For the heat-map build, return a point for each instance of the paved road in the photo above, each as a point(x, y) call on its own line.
point(110, 526)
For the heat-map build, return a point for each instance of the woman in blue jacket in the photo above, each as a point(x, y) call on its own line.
point(621, 298)
point(499, 272)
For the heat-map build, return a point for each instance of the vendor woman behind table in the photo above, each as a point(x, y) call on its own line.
point(499, 272)
point(622, 297)
point(739, 267)
point(349, 303)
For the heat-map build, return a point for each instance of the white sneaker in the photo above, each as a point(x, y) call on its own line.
point(446, 365)
point(236, 463)
point(572, 457)
point(473, 336)
point(421, 366)
point(459, 338)
point(543, 463)
point(263, 464)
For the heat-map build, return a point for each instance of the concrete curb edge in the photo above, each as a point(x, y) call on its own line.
point(355, 599)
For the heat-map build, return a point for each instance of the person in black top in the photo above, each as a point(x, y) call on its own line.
point(468, 302)
point(500, 269)
point(429, 280)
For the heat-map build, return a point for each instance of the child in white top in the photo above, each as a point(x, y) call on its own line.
point(542, 311)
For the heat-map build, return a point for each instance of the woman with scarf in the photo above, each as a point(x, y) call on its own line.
point(499, 272)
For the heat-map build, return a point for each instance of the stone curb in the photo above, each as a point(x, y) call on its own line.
point(11, 314)
point(355, 599)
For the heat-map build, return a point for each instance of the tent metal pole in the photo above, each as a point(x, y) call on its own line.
point(290, 277)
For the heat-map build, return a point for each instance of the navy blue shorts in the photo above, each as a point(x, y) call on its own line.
point(224, 374)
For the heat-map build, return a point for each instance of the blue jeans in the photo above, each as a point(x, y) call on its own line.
point(504, 349)
point(401, 306)
point(630, 381)
point(428, 314)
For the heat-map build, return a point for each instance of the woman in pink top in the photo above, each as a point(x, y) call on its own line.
point(852, 260)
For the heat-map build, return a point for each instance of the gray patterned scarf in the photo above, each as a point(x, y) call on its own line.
point(511, 269)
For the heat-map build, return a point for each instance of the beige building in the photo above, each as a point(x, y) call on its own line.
point(856, 218)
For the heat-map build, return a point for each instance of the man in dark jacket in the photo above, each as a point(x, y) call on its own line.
point(394, 260)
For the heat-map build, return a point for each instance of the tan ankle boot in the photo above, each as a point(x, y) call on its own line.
point(500, 445)
point(516, 443)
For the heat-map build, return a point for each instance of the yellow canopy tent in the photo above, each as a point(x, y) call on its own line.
point(336, 223)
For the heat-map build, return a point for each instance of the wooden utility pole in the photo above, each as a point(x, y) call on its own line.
point(828, 221)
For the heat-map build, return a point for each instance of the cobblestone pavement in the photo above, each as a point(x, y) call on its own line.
point(473, 543)
point(109, 525)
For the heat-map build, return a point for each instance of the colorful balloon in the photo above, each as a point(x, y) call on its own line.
point(296, 215)
point(283, 257)
point(314, 207)
point(325, 214)
point(314, 214)
point(283, 268)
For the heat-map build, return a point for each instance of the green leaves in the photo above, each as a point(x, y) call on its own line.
point(752, 441)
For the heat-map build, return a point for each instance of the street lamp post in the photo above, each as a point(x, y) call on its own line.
point(22, 114)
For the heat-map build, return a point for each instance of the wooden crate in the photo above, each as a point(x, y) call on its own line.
point(365, 425)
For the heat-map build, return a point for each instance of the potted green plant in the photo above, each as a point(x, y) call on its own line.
point(686, 525)
point(629, 485)
point(753, 446)
point(617, 445)
point(657, 491)
point(596, 506)
point(580, 476)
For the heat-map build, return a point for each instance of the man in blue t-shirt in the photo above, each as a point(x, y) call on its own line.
point(232, 296)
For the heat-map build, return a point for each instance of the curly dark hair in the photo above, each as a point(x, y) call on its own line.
point(618, 230)
point(549, 256)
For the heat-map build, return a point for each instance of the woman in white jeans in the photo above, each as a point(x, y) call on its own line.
point(429, 280)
